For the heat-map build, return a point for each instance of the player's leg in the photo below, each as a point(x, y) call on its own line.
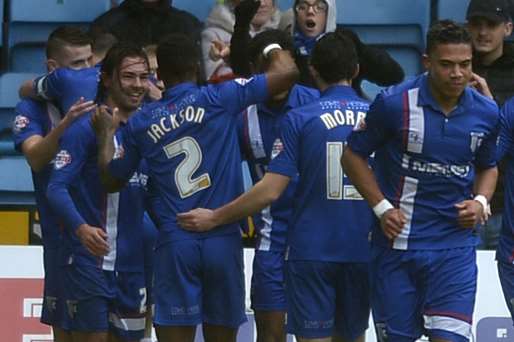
point(396, 282)
point(178, 290)
point(270, 326)
point(268, 296)
point(223, 287)
point(352, 303)
point(506, 274)
point(87, 295)
point(53, 311)
point(127, 312)
point(361, 338)
point(61, 335)
point(450, 297)
point(311, 299)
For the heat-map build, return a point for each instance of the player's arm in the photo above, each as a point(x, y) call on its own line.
point(282, 72)
point(39, 150)
point(67, 168)
point(357, 169)
point(45, 87)
point(379, 128)
point(260, 196)
point(472, 212)
point(114, 174)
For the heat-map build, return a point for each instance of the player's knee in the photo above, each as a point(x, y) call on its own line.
point(446, 336)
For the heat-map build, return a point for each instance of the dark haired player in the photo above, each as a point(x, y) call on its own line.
point(189, 141)
point(434, 140)
point(327, 247)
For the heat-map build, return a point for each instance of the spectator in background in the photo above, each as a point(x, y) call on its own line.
point(145, 22)
point(307, 21)
point(218, 31)
point(489, 23)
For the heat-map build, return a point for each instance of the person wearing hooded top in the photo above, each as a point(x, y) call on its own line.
point(309, 21)
point(218, 31)
point(145, 22)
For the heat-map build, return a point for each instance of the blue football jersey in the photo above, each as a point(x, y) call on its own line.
point(189, 140)
point(39, 118)
point(66, 86)
point(505, 251)
point(76, 194)
point(425, 160)
point(331, 221)
point(260, 139)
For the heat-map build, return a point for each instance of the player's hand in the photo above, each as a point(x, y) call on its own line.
point(104, 121)
point(154, 92)
point(219, 50)
point(197, 220)
point(392, 222)
point(480, 84)
point(470, 213)
point(94, 239)
point(245, 11)
point(79, 108)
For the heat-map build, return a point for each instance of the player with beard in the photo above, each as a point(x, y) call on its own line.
point(103, 239)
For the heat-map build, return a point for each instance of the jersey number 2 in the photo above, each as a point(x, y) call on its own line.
point(186, 185)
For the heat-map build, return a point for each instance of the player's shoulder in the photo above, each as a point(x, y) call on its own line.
point(303, 94)
point(485, 106)
point(30, 107)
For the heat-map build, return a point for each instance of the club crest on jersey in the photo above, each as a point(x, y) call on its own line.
point(20, 122)
point(119, 152)
point(277, 148)
point(476, 140)
point(62, 159)
point(361, 125)
point(243, 81)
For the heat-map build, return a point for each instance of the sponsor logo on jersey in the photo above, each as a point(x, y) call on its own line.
point(20, 122)
point(119, 152)
point(62, 159)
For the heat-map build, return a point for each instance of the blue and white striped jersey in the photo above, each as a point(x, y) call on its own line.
point(425, 160)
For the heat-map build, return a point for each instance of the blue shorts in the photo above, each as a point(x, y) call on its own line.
point(423, 292)
point(200, 281)
point(127, 311)
point(54, 305)
point(506, 273)
point(268, 288)
point(324, 300)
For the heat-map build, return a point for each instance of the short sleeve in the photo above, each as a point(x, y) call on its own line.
point(286, 163)
point(28, 121)
point(50, 86)
point(506, 135)
point(238, 94)
point(126, 156)
point(376, 130)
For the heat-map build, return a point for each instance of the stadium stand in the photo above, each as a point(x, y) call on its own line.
point(199, 9)
point(400, 26)
point(27, 27)
point(451, 9)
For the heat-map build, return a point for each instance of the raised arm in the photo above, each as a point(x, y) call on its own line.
point(239, 58)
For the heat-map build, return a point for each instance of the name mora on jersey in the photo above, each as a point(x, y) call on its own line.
point(340, 118)
point(173, 121)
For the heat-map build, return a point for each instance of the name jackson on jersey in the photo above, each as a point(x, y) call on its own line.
point(171, 122)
